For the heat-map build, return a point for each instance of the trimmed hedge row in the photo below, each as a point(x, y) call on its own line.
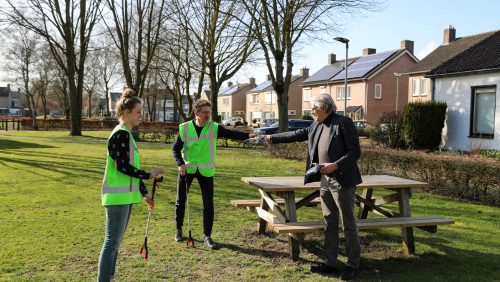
point(466, 177)
point(94, 124)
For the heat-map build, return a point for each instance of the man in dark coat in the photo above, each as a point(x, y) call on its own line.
point(333, 143)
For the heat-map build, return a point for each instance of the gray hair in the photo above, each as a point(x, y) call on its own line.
point(325, 102)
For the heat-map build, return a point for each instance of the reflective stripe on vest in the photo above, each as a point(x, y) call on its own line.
point(119, 188)
point(199, 151)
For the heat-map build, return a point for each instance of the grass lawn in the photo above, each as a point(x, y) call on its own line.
point(52, 223)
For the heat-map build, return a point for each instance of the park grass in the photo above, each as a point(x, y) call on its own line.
point(52, 223)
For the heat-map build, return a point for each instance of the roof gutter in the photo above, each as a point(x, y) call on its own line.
point(463, 72)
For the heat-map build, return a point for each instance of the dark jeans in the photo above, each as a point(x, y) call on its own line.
point(117, 218)
point(337, 203)
point(207, 194)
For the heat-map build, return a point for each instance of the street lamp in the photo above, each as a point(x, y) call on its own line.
point(397, 74)
point(346, 42)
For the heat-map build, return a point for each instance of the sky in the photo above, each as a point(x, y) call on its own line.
point(421, 21)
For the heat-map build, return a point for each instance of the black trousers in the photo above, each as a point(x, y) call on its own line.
point(207, 194)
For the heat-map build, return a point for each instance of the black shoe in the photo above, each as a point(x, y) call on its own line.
point(349, 273)
point(178, 235)
point(210, 243)
point(324, 269)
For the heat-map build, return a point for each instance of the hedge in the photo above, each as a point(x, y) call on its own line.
point(423, 123)
point(472, 178)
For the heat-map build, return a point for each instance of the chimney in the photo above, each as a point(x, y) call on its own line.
point(449, 35)
point(408, 45)
point(304, 72)
point(229, 84)
point(332, 58)
point(369, 51)
point(268, 77)
point(252, 81)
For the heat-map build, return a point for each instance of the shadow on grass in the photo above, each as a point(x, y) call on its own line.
point(8, 144)
point(382, 259)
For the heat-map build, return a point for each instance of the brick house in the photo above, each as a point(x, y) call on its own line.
point(231, 101)
point(372, 87)
point(262, 102)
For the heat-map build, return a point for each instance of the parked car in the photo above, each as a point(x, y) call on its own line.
point(293, 124)
point(234, 121)
point(256, 122)
point(361, 127)
point(268, 122)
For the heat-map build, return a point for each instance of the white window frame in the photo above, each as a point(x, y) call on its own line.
point(225, 101)
point(414, 87)
point(475, 111)
point(423, 86)
point(269, 98)
point(292, 112)
point(306, 92)
point(379, 94)
point(340, 92)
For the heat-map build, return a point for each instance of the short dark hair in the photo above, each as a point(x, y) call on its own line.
point(200, 103)
point(128, 100)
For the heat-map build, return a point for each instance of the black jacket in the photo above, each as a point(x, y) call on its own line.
point(343, 147)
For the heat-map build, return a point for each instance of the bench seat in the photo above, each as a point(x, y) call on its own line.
point(256, 203)
point(363, 224)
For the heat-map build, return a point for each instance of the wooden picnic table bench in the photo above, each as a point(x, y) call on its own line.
point(280, 220)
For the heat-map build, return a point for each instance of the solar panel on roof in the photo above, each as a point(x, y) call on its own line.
point(262, 86)
point(327, 72)
point(363, 65)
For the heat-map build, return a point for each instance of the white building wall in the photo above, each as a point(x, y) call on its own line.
point(457, 92)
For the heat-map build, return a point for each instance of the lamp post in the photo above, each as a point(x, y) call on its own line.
point(346, 42)
point(397, 74)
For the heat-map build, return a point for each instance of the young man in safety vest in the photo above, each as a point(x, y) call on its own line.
point(194, 150)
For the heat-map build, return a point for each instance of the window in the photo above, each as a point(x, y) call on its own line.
point(414, 87)
point(306, 112)
point(340, 92)
point(378, 91)
point(423, 86)
point(483, 112)
point(292, 112)
point(254, 99)
point(270, 98)
point(322, 90)
point(225, 101)
point(307, 94)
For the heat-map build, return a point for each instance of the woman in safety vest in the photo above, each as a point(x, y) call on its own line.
point(122, 185)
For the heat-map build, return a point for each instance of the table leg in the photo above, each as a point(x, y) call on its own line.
point(407, 232)
point(363, 209)
point(291, 213)
point(262, 223)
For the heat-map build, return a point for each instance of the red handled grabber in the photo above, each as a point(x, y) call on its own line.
point(190, 239)
point(144, 247)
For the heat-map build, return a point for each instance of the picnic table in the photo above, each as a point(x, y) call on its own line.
point(284, 220)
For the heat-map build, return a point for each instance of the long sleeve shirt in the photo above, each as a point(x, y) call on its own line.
point(118, 148)
point(221, 133)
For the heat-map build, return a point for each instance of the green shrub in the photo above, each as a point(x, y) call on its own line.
point(423, 124)
point(307, 116)
point(466, 177)
point(389, 132)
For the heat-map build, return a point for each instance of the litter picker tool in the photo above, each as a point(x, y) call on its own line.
point(156, 185)
point(190, 239)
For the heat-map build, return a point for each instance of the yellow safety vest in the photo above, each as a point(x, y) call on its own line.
point(117, 187)
point(199, 152)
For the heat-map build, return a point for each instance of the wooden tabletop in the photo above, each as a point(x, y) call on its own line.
point(296, 183)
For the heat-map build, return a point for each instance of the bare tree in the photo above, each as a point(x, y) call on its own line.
point(66, 26)
point(280, 25)
point(179, 68)
point(20, 54)
point(135, 31)
point(107, 66)
point(41, 83)
point(223, 39)
point(91, 79)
